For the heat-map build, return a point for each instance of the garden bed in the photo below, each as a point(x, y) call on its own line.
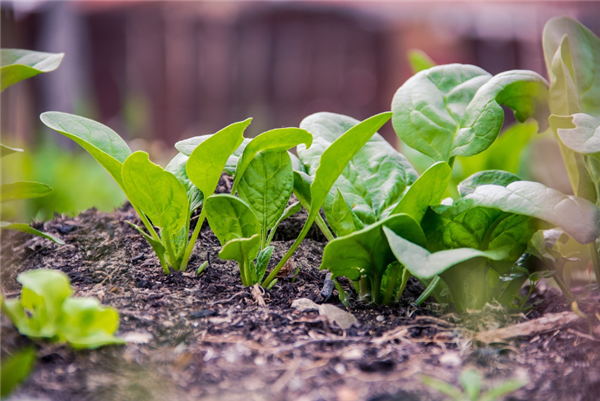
point(207, 337)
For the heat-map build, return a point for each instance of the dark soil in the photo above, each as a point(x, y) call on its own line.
point(206, 337)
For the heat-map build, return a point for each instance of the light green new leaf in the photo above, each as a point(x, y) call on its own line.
point(266, 185)
point(419, 60)
point(288, 212)
point(85, 323)
point(15, 369)
point(426, 265)
point(207, 161)
point(495, 177)
point(582, 135)
point(244, 251)
point(7, 150)
point(427, 191)
point(177, 167)
point(23, 190)
point(455, 110)
point(367, 252)
point(373, 179)
point(230, 218)
point(576, 216)
point(262, 262)
point(17, 65)
point(581, 59)
point(42, 295)
point(187, 146)
point(275, 140)
point(25, 228)
point(104, 144)
point(158, 193)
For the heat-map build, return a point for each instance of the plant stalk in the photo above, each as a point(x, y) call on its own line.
point(192, 242)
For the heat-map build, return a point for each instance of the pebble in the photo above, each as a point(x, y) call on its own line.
point(380, 318)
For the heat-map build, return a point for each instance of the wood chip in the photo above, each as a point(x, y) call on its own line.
point(534, 327)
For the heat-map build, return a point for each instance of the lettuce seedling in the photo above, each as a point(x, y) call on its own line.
point(332, 163)
point(474, 243)
point(46, 309)
point(572, 55)
point(162, 198)
point(264, 181)
point(15, 66)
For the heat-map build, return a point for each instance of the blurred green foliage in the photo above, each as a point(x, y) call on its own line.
point(79, 183)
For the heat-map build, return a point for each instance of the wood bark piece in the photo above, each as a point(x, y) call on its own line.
point(342, 318)
point(533, 327)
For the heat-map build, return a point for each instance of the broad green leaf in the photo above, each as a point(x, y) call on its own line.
point(244, 251)
point(177, 167)
point(419, 60)
point(582, 58)
point(17, 65)
point(42, 295)
point(25, 228)
point(187, 146)
point(104, 144)
point(158, 193)
point(506, 153)
point(460, 226)
point(85, 323)
point(15, 369)
point(583, 135)
point(426, 265)
point(7, 150)
point(375, 176)
point(302, 183)
point(280, 139)
point(576, 216)
point(341, 217)
point(495, 177)
point(23, 190)
point(230, 218)
point(266, 185)
point(427, 191)
point(207, 161)
point(455, 110)
point(367, 252)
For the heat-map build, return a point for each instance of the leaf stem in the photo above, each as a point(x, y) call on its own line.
point(428, 291)
point(190, 246)
point(324, 229)
point(391, 283)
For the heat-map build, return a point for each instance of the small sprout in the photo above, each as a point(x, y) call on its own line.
point(201, 268)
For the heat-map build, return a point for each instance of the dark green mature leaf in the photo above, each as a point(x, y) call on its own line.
point(23, 190)
point(177, 167)
point(576, 216)
point(372, 181)
point(17, 65)
point(7, 150)
point(43, 293)
point(85, 323)
point(427, 191)
point(495, 177)
point(582, 135)
point(207, 161)
point(15, 369)
point(230, 218)
point(158, 193)
point(266, 185)
point(581, 59)
point(367, 251)
point(275, 140)
point(25, 228)
point(455, 110)
point(419, 60)
point(341, 218)
point(104, 144)
point(426, 265)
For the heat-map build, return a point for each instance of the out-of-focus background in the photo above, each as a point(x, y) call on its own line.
point(158, 72)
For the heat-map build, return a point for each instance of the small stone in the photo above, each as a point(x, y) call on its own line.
point(380, 318)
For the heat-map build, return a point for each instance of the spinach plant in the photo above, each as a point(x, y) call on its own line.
point(162, 198)
point(264, 181)
point(572, 55)
point(47, 310)
point(15, 66)
point(15, 369)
